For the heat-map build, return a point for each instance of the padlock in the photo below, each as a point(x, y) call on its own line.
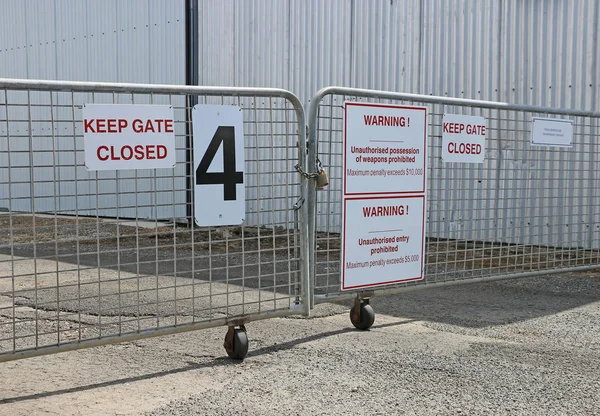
point(322, 179)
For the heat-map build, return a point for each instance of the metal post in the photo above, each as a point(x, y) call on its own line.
point(191, 78)
point(311, 190)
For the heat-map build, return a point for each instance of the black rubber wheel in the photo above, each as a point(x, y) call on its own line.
point(367, 317)
point(240, 345)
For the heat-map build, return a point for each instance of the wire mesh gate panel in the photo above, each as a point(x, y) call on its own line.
point(525, 210)
point(94, 257)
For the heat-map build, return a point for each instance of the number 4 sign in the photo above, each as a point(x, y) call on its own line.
point(220, 196)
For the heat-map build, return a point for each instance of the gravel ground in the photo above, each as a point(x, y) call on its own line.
point(527, 346)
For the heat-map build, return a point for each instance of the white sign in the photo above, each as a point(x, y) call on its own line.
point(384, 149)
point(551, 132)
point(220, 195)
point(382, 240)
point(125, 136)
point(463, 138)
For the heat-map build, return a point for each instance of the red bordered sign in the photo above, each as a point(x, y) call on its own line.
point(383, 240)
point(385, 149)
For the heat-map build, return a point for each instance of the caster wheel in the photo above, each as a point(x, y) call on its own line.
point(239, 344)
point(365, 319)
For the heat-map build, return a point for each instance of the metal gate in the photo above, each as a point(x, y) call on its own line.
point(524, 211)
point(92, 258)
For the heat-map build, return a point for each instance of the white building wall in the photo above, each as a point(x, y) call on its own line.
point(141, 41)
point(538, 52)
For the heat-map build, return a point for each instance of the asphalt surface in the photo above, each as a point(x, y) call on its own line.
point(526, 346)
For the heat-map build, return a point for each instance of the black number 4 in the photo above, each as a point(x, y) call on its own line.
point(229, 178)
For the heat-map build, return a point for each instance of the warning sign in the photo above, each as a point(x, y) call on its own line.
point(384, 149)
point(122, 136)
point(382, 240)
point(383, 233)
point(463, 138)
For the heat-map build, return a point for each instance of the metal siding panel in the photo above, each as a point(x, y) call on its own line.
point(461, 48)
point(320, 56)
point(167, 66)
point(167, 42)
point(216, 42)
point(261, 59)
point(136, 41)
point(40, 29)
point(536, 52)
point(261, 44)
point(133, 47)
point(320, 44)
point(72, 63)
point(551, 53)
point(102, 36)
point(551, 61)
point(539, 43)
point(386, 42)
point(71, 24)
point(13, 53)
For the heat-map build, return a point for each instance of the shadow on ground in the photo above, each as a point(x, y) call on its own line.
point(190, 365)
point(479, 305)
point(473, 305)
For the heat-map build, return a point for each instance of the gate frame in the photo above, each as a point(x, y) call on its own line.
point(304, 308)
point(312, 160)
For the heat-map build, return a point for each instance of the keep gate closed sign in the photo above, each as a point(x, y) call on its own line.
point(463, 138)
point(122, 136)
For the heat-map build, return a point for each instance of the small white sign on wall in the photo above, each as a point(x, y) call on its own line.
point(551, 132)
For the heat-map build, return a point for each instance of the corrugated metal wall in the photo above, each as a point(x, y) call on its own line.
point(140, 41)
point(85, 40)
point(539, 52)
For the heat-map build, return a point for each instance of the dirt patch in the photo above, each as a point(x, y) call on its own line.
point(83, 234)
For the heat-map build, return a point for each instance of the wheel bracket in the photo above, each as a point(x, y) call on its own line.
point(361, 298)
point(356, 314)
point(228, 344)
